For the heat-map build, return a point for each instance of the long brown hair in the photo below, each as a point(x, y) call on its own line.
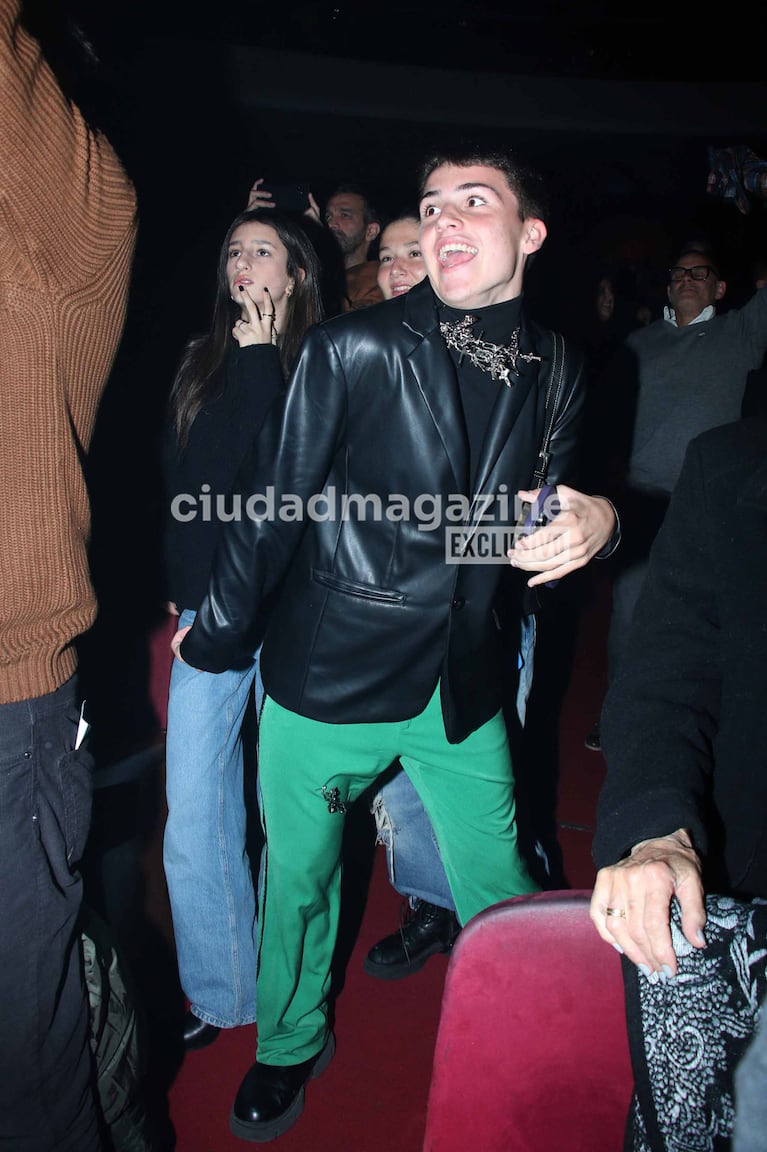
point(195, 383)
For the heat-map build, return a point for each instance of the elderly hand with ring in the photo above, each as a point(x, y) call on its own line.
point(631, 902)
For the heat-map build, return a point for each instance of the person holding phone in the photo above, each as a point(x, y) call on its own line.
point(350, 218)
point(428, 922)
point(375, 647)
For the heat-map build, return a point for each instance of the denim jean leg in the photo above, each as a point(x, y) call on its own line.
point(209, 874)
point(46, 1077)
point(258, 686)
point(415, 865)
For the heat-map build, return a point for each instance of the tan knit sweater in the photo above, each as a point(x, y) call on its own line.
point(67, 233)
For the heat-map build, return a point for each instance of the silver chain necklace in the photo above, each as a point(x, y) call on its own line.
point(500, 360)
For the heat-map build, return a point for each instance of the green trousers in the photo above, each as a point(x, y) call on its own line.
point(308, 771)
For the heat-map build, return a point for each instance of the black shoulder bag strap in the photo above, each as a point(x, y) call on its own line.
point(553, 395)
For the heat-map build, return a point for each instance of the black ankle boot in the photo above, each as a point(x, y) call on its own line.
point(198, 1034)
point(427, 931)
point(271, 1097)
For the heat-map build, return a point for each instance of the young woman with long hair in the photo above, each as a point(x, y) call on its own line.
point(267, 296)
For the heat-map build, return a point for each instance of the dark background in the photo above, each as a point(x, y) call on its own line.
point(618, 109)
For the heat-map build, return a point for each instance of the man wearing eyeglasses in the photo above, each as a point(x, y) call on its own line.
point(693, 289)
point(672, 380)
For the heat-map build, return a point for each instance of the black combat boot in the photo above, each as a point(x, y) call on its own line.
point(426, 931)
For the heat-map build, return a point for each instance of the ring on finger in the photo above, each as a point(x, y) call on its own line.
point(616, 912)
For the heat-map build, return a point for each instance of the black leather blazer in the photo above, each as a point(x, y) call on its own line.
point(368, 614)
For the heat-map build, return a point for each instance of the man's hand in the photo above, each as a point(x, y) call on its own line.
point(260, 197)
point(313, 211)
point(582, 527)
point(630, 904)
point(175, 643)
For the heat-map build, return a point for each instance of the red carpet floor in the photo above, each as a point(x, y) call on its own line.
point(373, 1096)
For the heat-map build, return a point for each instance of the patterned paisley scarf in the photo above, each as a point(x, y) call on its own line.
point(686, 1036)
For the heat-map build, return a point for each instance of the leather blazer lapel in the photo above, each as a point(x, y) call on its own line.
point(435, 375)
point(433, 369)
point(502, 419)
point(507, 407)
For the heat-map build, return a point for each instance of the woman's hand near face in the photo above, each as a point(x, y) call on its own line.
point(256, 324)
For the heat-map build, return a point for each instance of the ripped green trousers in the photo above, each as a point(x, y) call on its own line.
point(310, 772)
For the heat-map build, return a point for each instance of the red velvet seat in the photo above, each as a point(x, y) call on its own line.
point(532, 1052)
point(160, 664)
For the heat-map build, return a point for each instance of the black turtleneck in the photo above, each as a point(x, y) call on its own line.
point(478, 390)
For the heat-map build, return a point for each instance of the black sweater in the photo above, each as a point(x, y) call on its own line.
point(684, 724)
point(223, 432)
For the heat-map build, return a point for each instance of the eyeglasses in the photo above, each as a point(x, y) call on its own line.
point(697, 272)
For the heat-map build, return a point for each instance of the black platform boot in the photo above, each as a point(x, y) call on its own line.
point(426, 931)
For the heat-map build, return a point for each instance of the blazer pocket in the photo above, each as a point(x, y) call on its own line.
point(361, 591)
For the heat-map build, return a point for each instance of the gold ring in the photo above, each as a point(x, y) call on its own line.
point(615, 912)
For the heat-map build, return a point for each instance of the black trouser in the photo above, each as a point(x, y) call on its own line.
point(47, 1100)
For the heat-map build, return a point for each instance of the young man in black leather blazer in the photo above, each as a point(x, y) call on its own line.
point(406, 433)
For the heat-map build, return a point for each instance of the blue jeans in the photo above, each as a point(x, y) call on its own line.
point(46, 1081)
point(209, 873)
point(415, 865)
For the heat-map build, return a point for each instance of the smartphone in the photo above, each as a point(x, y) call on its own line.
point(538, 513)
point(291, 196)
